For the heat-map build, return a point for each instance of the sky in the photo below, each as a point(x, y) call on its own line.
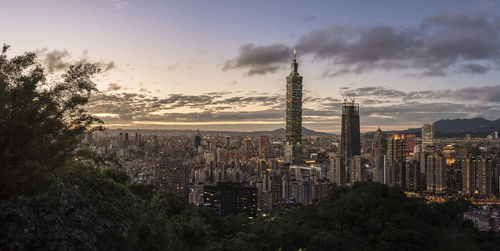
point(222, 64)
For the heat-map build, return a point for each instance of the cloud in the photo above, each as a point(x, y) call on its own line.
point(259, 60)
point(474, 68)
point(436, 46)
point(388, 106)
point(218, 106)
point(54, 60)
point(378, 106)
point(485, 93)
point(114, 87)
point(60, 60)
point(440, 44)
point(476, 94)
point(109, 66)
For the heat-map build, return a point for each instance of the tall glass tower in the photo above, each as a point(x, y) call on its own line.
point(293, 147)
point(350, 138)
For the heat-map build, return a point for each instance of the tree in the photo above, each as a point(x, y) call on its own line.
point(143, 191)
point(117, 176)
point(84, 211)
point(41, 121)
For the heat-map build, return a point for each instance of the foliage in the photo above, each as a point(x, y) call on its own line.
point(370, 215)
point(84, 210)
point(41, 122)
point(117, 176)
point(143, 191)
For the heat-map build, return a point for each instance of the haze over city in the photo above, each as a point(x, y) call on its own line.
point(221, 65)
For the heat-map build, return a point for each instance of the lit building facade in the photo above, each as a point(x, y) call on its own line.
point(396, 154)
point(427, 135)
point(264, 145)
point(172, 176)
point(436, 173)
point(231, 198)
point(478, 175)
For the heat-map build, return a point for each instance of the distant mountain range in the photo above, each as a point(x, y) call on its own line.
point(278, 132)
point(446, 128)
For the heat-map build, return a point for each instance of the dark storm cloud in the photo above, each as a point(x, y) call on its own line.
point(259, 60)
point(485, 93)
point(437, 45)
point(440, 44)
point(60, 60)
point(474, 68)
point(481, 94)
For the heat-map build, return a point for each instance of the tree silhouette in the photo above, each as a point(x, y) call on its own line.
point(41, 121)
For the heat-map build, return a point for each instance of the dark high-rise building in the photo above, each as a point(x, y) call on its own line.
point(293, 147)
point(427, 136)
point(379, 149)
point(477, 175)
point(410, 145)
point(228, 142)
point(264, 146)
point(197, 139)
point(172, 175)
point(231, 198)
point(356, 170)
point(436, 173)
point(350, 134)
point(397, 147)
point(413, 179)
point(421, 157)
point(396, 153)
point(337, 173)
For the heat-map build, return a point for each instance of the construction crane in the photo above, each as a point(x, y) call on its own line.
point(345, 97)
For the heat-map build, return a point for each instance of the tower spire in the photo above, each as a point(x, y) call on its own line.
point(295, 66)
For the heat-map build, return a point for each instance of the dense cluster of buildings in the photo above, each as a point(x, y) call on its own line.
point(254, 173)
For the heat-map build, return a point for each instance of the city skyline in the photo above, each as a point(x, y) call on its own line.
point(189, 125)
point(406, 65)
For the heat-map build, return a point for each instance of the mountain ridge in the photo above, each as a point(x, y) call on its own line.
point(477, 127)
point(277, 132)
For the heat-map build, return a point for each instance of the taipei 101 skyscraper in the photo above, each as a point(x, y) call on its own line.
point(293, 146)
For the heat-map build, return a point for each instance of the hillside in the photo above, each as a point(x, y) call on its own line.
point(277, 132)
point(446, 128)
